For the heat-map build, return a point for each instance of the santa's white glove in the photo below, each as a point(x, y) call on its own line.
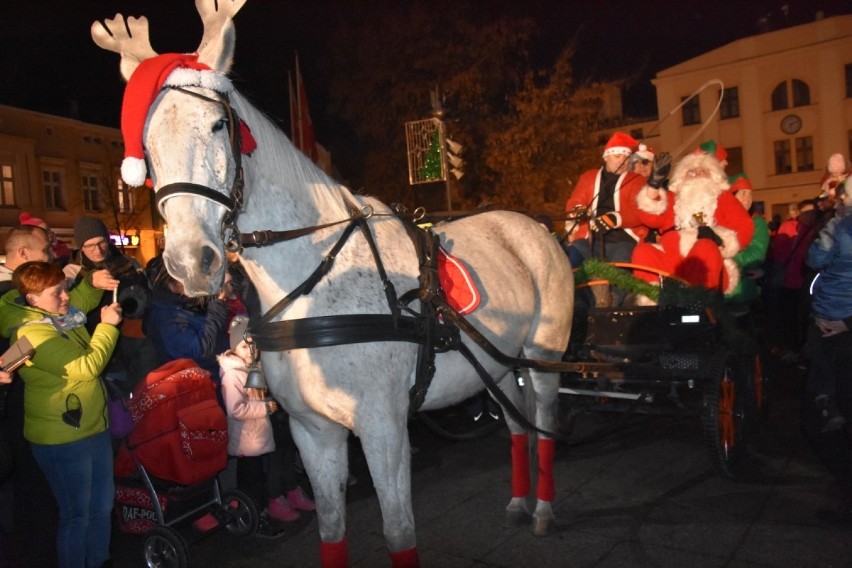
point(830, 327)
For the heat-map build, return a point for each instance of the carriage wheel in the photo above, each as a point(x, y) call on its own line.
point(239, 512)
point(165, 548)
point(724, 412)
point(760, 386)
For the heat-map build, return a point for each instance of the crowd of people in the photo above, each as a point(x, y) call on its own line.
point(99, 323)
point(693, 221)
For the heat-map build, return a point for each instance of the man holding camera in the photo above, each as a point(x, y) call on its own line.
point(134, 354)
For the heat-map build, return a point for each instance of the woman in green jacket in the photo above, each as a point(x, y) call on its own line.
point(65, 416)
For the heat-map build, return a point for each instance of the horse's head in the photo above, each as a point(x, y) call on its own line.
point(181, 132)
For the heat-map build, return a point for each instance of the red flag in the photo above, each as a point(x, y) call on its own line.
point(303, 129)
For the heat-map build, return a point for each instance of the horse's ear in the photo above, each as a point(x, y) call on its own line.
point(217, 46)
point(127, 37)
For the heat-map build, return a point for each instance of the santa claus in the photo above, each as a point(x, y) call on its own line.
point(701, 226)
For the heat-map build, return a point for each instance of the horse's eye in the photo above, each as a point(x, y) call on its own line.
point(220, 124)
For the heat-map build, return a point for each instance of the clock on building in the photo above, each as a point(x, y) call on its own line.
point(791, 124)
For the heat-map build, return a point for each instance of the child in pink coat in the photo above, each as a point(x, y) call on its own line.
point(250, 432)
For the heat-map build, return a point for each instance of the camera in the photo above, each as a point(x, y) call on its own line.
point(134, 293)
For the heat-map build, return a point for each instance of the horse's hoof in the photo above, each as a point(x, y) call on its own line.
point(543, 526)
point(515, 519)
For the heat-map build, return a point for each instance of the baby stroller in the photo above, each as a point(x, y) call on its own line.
point(166, 467)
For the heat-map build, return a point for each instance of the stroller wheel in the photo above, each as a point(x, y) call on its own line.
point(165, 548)
point(239, 513)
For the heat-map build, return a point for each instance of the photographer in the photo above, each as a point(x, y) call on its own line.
point(134, 355)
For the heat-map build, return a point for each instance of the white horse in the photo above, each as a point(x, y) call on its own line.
point(181, 116)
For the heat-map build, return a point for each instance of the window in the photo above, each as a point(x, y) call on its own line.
point(735, 159)
point(849, 80)
point(637, 133)
point(53, 186)
point(91, 192)
point(125, 197)
point(779, 97)
point(730, 103)
point(801, 93)
point(782, 91)
point(7, 178)
point(804, 154)
point(783, 164)
point(691, 111)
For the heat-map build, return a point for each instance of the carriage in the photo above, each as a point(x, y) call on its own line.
point(693, 354)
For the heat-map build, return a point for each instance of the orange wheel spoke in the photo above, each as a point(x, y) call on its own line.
point(727, 396)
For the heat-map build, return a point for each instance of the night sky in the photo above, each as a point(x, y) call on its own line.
point(48, 62)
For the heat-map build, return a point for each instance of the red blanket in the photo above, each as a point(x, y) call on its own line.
point(459, 289)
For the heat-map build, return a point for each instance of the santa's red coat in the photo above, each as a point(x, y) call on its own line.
point(586, 194)
point(679, 252)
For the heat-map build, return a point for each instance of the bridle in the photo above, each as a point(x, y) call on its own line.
point(232, 202)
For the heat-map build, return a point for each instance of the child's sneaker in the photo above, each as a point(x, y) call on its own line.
point(829, 413)
point(281, 510)
point(298, 500)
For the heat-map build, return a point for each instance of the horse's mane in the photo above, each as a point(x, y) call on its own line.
point(279, 160)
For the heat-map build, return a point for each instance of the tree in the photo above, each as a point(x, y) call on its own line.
point(383, 80)
point(547, 141)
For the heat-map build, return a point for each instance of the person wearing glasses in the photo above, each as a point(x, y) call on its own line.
point(65, 415)
point(641, 161)
point(602, 219)
point(134, 356)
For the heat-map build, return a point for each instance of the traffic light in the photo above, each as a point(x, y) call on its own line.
point(455, 164)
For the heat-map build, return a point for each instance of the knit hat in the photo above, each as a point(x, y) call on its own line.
point(237, 331)
point(738, 182)
point(620, 144)
point(89, 228)
point(152, 74)
point(714, 149)
point(26, 218)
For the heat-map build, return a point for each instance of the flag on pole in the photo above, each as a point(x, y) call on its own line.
point(300, 118)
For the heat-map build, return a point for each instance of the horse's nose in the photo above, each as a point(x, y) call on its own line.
point(210, 260)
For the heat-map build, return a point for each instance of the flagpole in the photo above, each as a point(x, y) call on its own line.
point(292, 108)
point(299, 103)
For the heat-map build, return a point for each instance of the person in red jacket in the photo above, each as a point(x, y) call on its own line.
point(701, 224)
point(602, 218)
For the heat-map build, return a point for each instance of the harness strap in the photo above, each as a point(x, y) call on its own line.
point(305, 287)
point(265, 238)
point(187, 188)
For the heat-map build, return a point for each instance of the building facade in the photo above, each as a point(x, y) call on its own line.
point(779, 102)
point(60, 169)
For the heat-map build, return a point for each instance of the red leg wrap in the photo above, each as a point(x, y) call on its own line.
point(546, 488)
point(520, 465)
point(407, 558)
point(334, 554)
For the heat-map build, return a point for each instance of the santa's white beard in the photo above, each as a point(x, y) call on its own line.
point(696, 196)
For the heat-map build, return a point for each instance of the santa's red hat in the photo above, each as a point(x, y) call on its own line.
point(620, 144)
point(173, 69)
point(27, 218)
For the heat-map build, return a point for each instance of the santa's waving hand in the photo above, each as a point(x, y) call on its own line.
point(701, 225)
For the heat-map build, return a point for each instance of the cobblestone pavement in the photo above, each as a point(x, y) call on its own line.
point(646, 496)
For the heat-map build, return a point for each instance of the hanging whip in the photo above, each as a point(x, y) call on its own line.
point(704, 125)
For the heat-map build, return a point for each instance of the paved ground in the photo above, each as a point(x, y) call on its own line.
point(647, 496)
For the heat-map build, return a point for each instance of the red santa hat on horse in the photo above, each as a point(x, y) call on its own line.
point(702, 225)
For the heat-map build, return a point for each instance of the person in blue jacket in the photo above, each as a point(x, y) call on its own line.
point(828, 409)
point(195, 328)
